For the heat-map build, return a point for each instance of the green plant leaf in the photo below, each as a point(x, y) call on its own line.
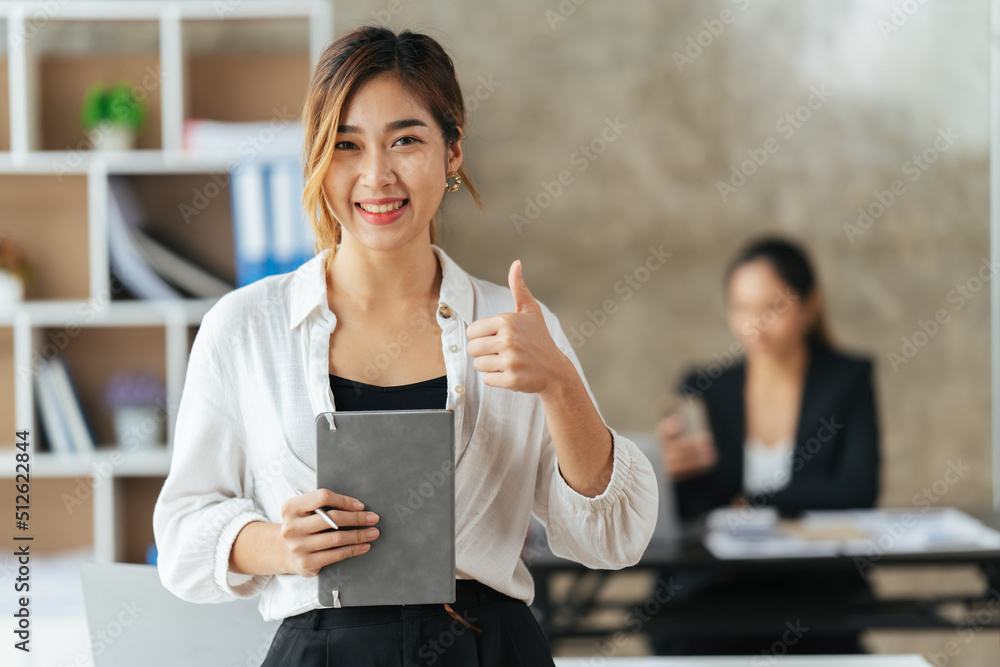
point(116, 104)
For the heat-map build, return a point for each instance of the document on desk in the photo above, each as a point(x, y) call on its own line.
point(400, 464)
point(734, 534)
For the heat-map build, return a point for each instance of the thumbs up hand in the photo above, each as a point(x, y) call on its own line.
point(515, 350)
point(523, 301)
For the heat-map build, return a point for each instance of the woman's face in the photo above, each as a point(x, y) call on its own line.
point(389, 165)
point(764, 313)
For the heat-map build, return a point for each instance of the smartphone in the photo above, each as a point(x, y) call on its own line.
point(694, 415)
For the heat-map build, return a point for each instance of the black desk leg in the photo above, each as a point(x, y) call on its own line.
point(542, 604)
point(992, 573)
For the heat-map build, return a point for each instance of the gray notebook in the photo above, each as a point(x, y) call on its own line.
point(400, 464)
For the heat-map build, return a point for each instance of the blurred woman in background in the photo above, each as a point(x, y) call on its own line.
point(792, 424)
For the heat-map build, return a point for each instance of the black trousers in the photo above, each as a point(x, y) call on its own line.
point(415, 635)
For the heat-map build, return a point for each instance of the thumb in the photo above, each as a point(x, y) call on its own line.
point(523, 301)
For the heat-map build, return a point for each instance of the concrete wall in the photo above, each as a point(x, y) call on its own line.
point(897, 83)
point(892, 86)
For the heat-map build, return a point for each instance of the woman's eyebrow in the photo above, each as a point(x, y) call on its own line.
point(403, 124)
point(389, 127)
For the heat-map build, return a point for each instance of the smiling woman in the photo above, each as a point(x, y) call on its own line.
point(416, 150)
point(383, 319)
point(407, 157)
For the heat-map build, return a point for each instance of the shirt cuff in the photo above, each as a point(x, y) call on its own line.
point(621, 477)
point(243, 586)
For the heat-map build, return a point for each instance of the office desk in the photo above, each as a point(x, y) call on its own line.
point(748, 661)
point(562, 616)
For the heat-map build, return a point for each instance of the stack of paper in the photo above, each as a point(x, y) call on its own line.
point(265, 138)
point(740, 534)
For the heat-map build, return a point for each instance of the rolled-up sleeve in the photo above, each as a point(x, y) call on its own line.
point(204, 501)
point(608, 531)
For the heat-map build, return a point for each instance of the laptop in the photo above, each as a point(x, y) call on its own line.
point(134, 620)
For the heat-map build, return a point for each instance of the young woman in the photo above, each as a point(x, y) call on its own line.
point(791, 424)
point(382, 318)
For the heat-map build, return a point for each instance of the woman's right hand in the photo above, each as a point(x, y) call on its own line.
point(684, 455)
point(308, 547)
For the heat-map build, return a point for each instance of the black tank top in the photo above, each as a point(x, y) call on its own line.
point(351, 395)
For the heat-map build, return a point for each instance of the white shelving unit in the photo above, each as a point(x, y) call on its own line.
point(26, 157)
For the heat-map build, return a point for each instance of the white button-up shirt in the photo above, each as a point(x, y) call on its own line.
point(244, 442)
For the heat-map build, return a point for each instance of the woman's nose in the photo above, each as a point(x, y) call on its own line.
point(377, 170)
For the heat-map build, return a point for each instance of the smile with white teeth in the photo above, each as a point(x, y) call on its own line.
point(383, 208)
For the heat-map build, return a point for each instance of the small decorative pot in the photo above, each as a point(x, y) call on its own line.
point(11, 289)
point(139, 427)
point(112, 137)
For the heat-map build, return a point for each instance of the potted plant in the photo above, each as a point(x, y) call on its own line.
point(112, 116)
point(136, 400)
point(15, 273)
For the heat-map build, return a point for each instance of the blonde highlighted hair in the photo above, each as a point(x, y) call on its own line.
point(421, 66)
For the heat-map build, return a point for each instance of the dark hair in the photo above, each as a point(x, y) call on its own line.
point(792, 265)
point(422, 68)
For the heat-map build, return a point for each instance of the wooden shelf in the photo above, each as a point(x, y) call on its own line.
point(95, 354)
point(136, 516)
point(64, 82)
point(7, 370)
point(251, 79)
point(4, 100)
point(98, 10)
point(106, 462)
point(54, 190)
point(60, 163)
point(225, 86)
point(60, 203)
point(192, 214)
point(61, 516)
point(123, 313)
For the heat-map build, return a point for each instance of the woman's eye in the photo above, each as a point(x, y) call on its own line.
point(406, 141)
point(344, 145)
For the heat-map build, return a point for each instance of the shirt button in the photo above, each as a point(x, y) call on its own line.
point(444, 311)
point(459, 389)
point(454, 348)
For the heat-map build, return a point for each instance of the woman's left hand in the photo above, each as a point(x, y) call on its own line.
point(515, 350)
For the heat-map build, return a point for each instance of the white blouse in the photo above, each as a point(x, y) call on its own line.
point(767, 468)
point(244, 442)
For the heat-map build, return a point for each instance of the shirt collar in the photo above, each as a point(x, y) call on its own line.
point(308, 288)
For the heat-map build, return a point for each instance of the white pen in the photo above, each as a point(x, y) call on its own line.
point(326, 517)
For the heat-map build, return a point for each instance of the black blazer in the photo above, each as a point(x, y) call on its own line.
point(836, 450)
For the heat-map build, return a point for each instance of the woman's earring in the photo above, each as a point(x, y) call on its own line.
point(454, 185)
